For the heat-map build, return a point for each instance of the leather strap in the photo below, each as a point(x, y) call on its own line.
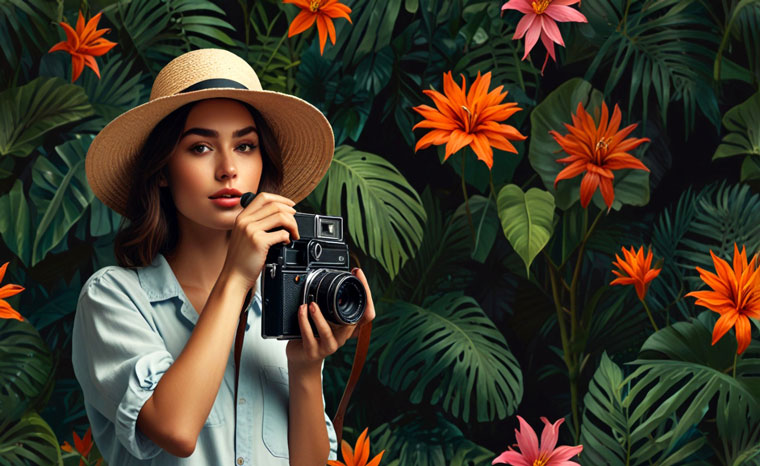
point(239, 343)
point(362, 345)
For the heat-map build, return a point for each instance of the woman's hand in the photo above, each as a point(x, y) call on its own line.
point(311, 350)
point(251, 239)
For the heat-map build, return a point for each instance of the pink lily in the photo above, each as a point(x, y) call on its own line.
point(531, 455)
point(540, 21)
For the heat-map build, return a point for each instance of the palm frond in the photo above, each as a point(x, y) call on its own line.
point(665, 45)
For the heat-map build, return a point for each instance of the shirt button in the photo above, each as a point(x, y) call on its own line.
point(241, 401)
point(240, 460)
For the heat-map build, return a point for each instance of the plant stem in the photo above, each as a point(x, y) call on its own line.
point(467, 205)
point(567, 356)
point(733, 373)
point(649, 313)
point(490, 182)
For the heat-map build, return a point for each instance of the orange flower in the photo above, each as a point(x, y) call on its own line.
point(597, 151)
point(84, 44)
point(6, 311)
point(635, 270)
point(735, 296)
point(321, 11)
point(361, 452)
point(82, 445)
point(472, 118)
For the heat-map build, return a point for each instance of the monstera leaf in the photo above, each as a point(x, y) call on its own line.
point(527, 220)
point(384, 213)
point(449, 352)
point(25, 366)
point(617, 431)
point(411, 440)
point(29, 112)
point(60, 193)
point(28, 441)
point(743, 124)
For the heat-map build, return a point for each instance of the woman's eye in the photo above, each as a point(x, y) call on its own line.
point(246, 147)
point(199, 148)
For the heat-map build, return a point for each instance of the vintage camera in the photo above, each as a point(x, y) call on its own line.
point(312, 268)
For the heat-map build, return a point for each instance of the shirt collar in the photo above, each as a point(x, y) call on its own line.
point(160, 283)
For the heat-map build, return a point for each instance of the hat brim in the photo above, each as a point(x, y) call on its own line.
point(305, 137)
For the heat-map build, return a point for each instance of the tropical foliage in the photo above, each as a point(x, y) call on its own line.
point(494, 202)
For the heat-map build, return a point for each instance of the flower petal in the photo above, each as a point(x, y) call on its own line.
point(564, 14)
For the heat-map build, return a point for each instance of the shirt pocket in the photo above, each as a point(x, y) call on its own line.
point(216, 416)
point(274, 386)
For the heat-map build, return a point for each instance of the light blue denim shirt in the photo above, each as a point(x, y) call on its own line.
point(129, 327)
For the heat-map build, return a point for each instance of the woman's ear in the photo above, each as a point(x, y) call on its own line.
point(162, 181)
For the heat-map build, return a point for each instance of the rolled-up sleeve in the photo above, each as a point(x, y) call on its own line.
point(118, 357)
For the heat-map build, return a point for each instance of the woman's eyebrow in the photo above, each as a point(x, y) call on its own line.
point(210, 133)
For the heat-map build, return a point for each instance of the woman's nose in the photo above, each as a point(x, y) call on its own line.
point(225, 165)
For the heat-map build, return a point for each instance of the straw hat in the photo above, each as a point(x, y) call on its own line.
point(304, 134)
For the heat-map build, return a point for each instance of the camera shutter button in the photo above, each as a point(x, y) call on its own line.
point(316, 251)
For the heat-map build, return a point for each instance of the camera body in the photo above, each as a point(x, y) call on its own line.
point(314, 267)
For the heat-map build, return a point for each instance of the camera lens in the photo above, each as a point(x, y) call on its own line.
point(339, 295)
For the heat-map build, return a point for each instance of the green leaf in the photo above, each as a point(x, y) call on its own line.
point(711, 220)
point(527, 220)
point(680, 371)
point(25, 367)
point(60, 194)
point(371, 31)
point(103, 220)
point(411, 440)
point(156, 31)
point(15, 224)
point(384, 213)
point(476, 172)
point(485, 220)
point(665, 46)
point(614, 431)
point(743, 124)
point(449, 353)
point(29, 112)
point(30, 441)
point(116, 91)
point(446, 245)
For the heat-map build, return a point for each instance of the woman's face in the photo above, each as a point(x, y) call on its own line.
point(218, 148)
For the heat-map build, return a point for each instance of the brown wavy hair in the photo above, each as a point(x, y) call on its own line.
point(150, 224)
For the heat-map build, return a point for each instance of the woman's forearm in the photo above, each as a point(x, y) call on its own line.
point(308, 442)
point(182, 400)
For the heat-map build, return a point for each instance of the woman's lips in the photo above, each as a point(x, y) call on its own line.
point(226, 201)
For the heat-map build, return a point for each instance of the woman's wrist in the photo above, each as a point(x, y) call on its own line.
point(305, 369)
point(234, 281)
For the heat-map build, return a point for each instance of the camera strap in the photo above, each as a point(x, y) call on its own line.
point(362, 345)
point(239, 343)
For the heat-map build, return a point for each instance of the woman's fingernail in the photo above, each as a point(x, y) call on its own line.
point(313, 307)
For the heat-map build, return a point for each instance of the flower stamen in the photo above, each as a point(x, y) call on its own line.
point(314, 5)
point(539, 7)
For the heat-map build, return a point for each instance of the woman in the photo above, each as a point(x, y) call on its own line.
point(153, 338)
